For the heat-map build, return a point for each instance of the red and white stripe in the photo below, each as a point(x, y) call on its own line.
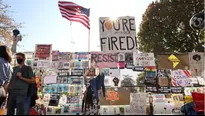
point(71, 11)
point(187, 73)
point(174, 82)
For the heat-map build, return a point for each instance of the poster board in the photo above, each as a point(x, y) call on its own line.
point(118, 35)
point(115, 97)
point(43, 51)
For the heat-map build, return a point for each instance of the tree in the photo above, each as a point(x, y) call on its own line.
point(7, 25)
point(140, 81)
point(128, 82)
point(165, 27)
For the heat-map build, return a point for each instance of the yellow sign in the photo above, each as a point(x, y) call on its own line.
point(188, 99)
point(175, 61)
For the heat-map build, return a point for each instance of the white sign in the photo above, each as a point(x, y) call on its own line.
point(138, 104)
point(44, 63)
point(144, 59)
point(196, 63)
point(181, 78)
point(118, 35)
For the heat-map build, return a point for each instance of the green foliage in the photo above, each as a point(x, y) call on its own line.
point(7, 25)
point(165, 27)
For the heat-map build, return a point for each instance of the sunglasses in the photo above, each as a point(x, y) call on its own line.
point(91, 70)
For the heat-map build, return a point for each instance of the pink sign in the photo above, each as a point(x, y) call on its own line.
point(105, 60)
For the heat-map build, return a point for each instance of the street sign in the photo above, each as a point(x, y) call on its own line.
point(175, 61)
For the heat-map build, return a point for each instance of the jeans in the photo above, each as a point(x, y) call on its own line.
point(27, 105)
point(18, 102)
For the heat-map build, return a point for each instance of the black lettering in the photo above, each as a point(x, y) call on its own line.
point(136, 42)
point(132, 24)
point(109, 43)
point(111, 58)
point(128, 46)
point(105, 58)
point(117, 22)
point(94, 58)
point(102, 43)
point(121, 42)
point(102, 23)
point(124, 22)
point(99, 57)
point(113, 40)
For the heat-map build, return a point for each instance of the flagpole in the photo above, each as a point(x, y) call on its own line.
point(89, 55)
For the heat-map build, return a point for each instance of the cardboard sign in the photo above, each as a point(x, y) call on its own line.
point(43, 51)
point(118, 35)
point(77, 72)
point(164, 62)
point(144, 59)
point(115, 97)
point(196, 60)
point(104, 60)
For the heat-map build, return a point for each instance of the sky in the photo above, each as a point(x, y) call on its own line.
point(43, 24)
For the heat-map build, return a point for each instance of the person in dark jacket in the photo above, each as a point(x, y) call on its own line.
point(91, 100)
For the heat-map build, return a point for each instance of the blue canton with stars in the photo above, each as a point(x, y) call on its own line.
point(85, 11)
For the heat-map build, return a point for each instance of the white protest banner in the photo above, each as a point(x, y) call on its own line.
point(138, 104)
point(144, 59)
point(105, 60)
point(118, 35)
point(196, 63)
point(181, 78)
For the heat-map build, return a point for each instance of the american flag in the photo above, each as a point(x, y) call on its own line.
point(74, 12)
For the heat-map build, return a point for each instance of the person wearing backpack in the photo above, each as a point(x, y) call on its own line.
point(18, 87)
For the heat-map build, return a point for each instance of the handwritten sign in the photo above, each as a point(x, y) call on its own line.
point(138, 104)
point(43, 51)
point(181, 78)
point(144, 59)
point(118, 35)
point(104, 60)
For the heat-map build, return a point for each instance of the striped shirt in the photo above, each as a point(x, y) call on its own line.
point(5, 71)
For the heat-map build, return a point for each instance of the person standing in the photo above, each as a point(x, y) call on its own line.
point(91, 99)
point(18, 87)
point(5, 71)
